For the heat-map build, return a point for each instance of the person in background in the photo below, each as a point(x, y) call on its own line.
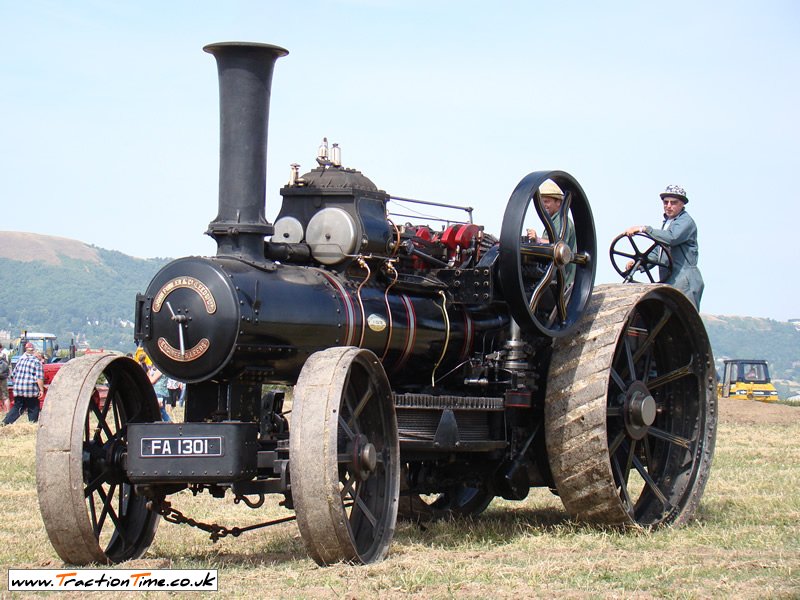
point(5, 371)
point(182, 398)
point(159, 382)
point(679, 232)
point(174, 389)
point(28, 387)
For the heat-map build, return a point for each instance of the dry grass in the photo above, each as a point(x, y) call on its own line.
point(745, 542)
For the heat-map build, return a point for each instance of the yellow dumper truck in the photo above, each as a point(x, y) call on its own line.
point(747, 379)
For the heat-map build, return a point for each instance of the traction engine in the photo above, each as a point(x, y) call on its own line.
point(369, 368)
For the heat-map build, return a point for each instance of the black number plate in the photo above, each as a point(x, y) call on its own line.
point(172, 447)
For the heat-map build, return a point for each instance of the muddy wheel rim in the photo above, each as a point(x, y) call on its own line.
point(90, 510)
point(643, 406)
point(344, 457)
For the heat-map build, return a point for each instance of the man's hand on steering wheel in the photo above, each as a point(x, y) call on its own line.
point(640, 258)
point(636, 229)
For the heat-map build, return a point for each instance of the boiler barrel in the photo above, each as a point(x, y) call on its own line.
point(204, 318)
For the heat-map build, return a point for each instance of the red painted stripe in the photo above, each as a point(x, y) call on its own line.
point(411, 332)
point(349, 309)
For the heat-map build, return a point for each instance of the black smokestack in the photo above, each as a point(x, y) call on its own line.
point(245, 82)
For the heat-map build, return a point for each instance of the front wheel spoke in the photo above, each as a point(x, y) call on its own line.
point(107, 510)
point(674, 375)
point(346, 428)
point(365, 510)
point(106, 406)
point(347, 490)
point(95, 484)
point(115, 411)
point(670, 437)
point(101, 423)
point(361, 404)
point(347, 400)
point(651, 483)
point(93, 513)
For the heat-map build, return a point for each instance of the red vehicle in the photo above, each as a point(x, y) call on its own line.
point(50, 370)
point(47, 346)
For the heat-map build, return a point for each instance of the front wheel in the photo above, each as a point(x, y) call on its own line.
point(344, 457)
point(90, 510)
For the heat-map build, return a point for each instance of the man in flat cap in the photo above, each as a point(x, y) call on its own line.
point(679, 232)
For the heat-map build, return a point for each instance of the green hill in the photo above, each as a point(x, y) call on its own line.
point(74, 290)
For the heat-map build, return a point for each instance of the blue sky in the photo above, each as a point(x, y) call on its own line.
point(109, 130)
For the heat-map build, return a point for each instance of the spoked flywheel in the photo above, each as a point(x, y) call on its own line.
point(344, 457)
point(89, 508)
point(630, 413)
point(547, 278)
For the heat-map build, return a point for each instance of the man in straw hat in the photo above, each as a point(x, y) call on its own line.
point(552, 197)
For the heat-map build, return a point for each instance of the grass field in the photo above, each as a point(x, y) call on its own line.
point(745, 542)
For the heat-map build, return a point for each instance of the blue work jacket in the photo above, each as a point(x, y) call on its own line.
point(680, 234)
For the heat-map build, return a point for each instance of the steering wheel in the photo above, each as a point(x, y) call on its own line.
point(645, 252)
point(547, 283)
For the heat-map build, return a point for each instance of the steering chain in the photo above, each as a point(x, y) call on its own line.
point(215, 531)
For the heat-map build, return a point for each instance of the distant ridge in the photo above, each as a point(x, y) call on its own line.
point(77, 291)
point(29, 247)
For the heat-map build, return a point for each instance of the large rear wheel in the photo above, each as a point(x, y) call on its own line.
point(630, 413)
point(90, 510)
point(344, 457)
